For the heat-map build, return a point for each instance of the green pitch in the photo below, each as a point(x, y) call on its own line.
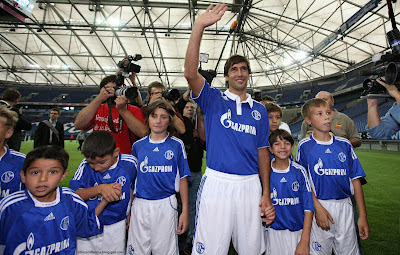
point(382, 195)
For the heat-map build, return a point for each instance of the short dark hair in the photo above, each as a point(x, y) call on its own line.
point(11, 95)
point(155, 84)
point(282, 134)
point(232, 60)
point(267, 98)
point(163, 105)
point(56, 110)
point(99, 144)
point(47, 152)
point(107, 79)
point(272, 107)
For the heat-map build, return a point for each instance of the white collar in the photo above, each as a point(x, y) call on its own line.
point(322, 142)
point(239, 103)
point(46, 204)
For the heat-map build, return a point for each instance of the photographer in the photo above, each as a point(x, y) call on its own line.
point(156, 91)
point(382, 128)
point(127, 121)
point(138, 100)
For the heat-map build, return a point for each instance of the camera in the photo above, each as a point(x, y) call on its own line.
point(130, 93)
point(171, 95)
point(389, 66)
point(131, 67)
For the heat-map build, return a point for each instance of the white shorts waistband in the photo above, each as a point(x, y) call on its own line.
point(344, 200)
point(231, 177)
point(156, 201)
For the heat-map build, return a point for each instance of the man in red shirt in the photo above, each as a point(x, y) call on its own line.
point(127, 121)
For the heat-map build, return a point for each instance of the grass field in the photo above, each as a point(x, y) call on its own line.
point(382, 195)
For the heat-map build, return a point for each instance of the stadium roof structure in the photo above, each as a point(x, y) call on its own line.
point(77, 43)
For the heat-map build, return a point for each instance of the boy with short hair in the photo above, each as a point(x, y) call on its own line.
point(334, 171)
point(162, 171)
point(275, 117)
point(105, 174)
point(45, 218)
point(10, 161)
point(292, 198)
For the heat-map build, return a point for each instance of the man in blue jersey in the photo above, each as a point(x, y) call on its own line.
point(291, 195)
point(335, 173)
point(45, 218)
point(105, 174)
point(231, 200)
point(10, 161)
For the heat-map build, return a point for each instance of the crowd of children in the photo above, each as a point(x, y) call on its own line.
point(113, 192)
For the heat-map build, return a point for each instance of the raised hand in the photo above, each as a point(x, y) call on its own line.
point(211, 15)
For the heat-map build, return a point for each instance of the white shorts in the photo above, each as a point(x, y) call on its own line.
point(282, 242)
point(112, 240)
point(228, 208)
point(342, 235)
point(153, 226)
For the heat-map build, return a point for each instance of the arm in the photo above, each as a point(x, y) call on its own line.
point(201, 129)
point(100, 207)
point(210, 17)
point(355, 142)
point(352, 133)
point(303, 247)
point(322, 216)
point(136, 126)
point(110, 192)
point(82, 121)
point(363, 226)
point(264, 164)
point(178, 124)
point(184, 217)
point(139, 97)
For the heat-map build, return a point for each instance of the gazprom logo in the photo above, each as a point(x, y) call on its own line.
point(7, 177)
point(143, 165)
point(226, 122)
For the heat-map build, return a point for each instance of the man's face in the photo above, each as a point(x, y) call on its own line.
point(327, 97)
point(188, 111)
point(54, 115)
point(238, 75)
point(155, 94)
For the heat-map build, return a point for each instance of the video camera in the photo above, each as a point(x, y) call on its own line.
point(389, 67)
point(121, 90)
point(131, 67)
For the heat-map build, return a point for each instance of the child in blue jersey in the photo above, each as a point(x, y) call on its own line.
point(105, 174)
point(10, 161)
point(334, 171)
point(45, 218)
point(162, 170)
point(292, 198)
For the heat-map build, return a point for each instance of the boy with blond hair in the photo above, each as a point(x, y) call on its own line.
point(334, 171)
point(10, 161)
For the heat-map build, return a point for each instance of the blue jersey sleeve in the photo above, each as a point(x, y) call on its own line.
point(206, 97)
point(78, 181)
point(264, 129)
point(301, 157)
point(87, 223)
point(306, 191)
point(356, 170)
point(183, 166)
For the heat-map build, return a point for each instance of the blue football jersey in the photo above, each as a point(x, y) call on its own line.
point(331, 166)
point(123, 172)
point(161, 165)
point(291, 196)
point(10, 166)
point(28, 226)
point(234, 131)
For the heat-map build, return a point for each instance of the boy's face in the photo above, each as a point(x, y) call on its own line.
point(238, 74)
point(42, 178)
point(102, 164)
point(282, 149)
point(274, 121)
point(5, 131)
point(159, 121)
point(320, 118)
